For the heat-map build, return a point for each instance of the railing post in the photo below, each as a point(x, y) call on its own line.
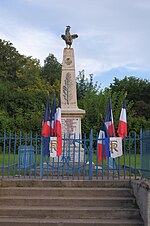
point(9, 150)
point(4, 156)
point(41, 160)
point(141, 149)
point(90, 155)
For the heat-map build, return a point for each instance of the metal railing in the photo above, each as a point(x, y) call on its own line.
point(24, 155)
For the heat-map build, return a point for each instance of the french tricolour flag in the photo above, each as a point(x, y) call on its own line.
point(103, 143)
point(52, 118)
point(58, 129)
point(46, 121)
point(109, 119)
point(122, 127)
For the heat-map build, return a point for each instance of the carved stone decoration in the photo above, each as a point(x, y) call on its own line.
point(68, 61)
point(67, 88)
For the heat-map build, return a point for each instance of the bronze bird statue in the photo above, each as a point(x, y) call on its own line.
point(68, 37)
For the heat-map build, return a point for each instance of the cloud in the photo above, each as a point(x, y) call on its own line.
point(32, 42)
point(112, 34)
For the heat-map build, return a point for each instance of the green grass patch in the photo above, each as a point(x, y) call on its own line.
point(131, 160)
point(8, 159)
point(9, 164)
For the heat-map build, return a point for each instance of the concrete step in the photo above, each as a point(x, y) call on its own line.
point(69, 222)
point(64, 183)
point(70, 212)
point(68, 201)
point(66, 191)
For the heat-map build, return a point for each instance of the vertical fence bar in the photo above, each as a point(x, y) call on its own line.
point(53, 170)
point(36, 154)
point(25, 155)
point(118, 171)
point(130, 156)
point(3, 160)
point(9, 150)
point(84, 158)
point(58, 166)
point(63, 157)
point(107, 168)
point(135, 140)
point(30, 154)
point(97, 156)
point(14, 162)
point(90, 155)
point(68, 156)
point(19, 154)
point(124, 152)
point(79, 157)
point(141, 151)
point(41, 160)
point(73, 165)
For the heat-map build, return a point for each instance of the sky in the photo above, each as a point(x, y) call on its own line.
point(114, 35)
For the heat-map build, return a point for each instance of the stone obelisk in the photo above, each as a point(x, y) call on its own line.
point(71, 114)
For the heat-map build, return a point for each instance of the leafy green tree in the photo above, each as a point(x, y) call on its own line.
point(51, 71)
point(23, 91)
point(89, 98)
point(138, 91)
point(138, 97)
point(10, 60)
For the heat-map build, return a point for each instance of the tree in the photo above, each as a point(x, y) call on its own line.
point(51, 71)
point(10, 60)
point(138, 91)
point(138, 95)
point(89, 96)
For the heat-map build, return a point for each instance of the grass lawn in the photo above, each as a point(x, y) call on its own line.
point(126, 160)
point(8, 159)
point(9, 164)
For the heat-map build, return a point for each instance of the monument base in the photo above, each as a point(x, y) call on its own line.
point(71, 122)
point(71, 132)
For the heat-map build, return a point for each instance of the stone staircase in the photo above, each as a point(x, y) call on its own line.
point(68, 203)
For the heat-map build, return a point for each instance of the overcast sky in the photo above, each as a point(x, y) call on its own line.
point(114, 35)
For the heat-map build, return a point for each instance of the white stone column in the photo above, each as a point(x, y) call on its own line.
point(71, 114)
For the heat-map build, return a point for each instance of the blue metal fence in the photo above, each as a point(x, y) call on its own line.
point(145, 154)
point(23, 155)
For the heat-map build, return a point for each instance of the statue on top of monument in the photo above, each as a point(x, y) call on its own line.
point(68, 37)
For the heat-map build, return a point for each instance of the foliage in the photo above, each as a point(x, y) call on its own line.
point(138, 91)
point(88, 95)
point(24, 86)
point(51, 71)
point(138, 94)
point(94, 101)
point(23, 91)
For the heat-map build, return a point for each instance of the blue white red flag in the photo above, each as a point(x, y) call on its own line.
point(46, 145)
point(109, 119)
point(46, 121)
point(103, 143)
point(122, 127)
point(58, 129)
point(52, 118)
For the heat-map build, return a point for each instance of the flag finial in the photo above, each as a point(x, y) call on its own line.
point(125, 94)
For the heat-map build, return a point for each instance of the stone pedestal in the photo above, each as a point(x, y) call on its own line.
point(71, 114)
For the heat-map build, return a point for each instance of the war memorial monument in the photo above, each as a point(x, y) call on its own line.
point(71, 114)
